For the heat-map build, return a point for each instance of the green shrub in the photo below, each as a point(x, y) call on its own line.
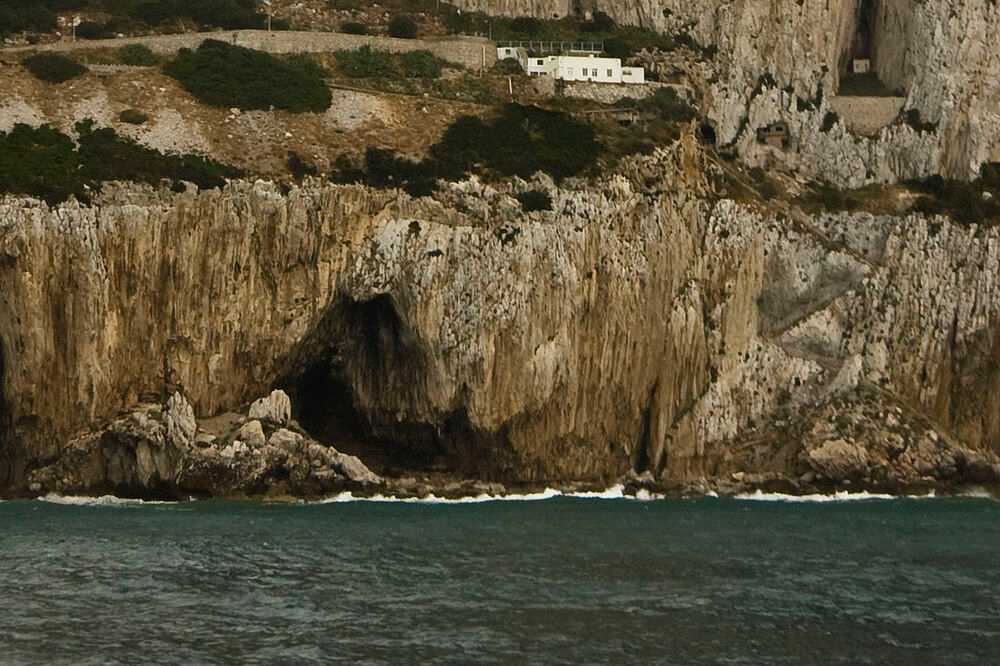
point(420, 65)
point(527, 26)
point(403, 27)
point(963, 201)
point(40, 162)
point(18, 16)
point(228, 14)
point(106, 156)
point(45, 163)
point(521, 141)
point(299, 167)
point(93, 30)
point(53, 68)
point(137, 55)
point(220, 74)
point(508, 67)
point(133, 117)
point(354, 28)
point(533, 200)
point(366, 63)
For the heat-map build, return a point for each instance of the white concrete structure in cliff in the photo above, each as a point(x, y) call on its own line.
point(588, 67)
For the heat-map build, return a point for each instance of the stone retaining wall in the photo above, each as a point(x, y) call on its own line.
point(867, 115)
point(465, 51)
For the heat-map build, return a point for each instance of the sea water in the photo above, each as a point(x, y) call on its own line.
point(598, 579)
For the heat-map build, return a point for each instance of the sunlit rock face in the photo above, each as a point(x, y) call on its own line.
point(643, 324)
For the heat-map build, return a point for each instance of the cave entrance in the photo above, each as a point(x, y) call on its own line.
point(362, 342)
point(858, 66)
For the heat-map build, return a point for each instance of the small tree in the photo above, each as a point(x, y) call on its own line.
point(403, 27)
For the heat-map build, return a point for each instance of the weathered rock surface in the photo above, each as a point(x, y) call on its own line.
point(136, 454)
point(642, 325)
point(784, 60)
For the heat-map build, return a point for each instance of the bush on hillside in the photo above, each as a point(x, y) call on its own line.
point(403, 27)
point(93, 30)
point(220, 74)
point(17, 16)
point(354, 28)
point(533, 200)
point(299, 167)
point(40, 162)
point(521, 141)
point(106, 156)
point(366, 63)
point(228, 14)
point(45, 163)
point(53, 68)
point(420, 65)
point(137, 55)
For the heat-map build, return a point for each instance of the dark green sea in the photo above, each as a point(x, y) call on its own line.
point(559, 581)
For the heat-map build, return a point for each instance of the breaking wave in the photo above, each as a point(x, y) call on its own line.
point(840, 496)
point(103, 500)
point(614, 492)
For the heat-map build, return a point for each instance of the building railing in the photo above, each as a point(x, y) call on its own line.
point(553, 47)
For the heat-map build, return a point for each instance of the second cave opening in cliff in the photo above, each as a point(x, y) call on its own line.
point(858, 66)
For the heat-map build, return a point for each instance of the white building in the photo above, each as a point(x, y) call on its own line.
point(575, 68)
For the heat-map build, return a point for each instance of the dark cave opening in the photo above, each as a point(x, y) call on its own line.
point(864, 40)
point(706, 134)
point(369, 343)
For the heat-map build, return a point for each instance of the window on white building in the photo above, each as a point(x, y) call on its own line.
point(611, 73)
point(540, 62)
point(593, 72)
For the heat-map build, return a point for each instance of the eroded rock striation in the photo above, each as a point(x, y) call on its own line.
point(644, 326)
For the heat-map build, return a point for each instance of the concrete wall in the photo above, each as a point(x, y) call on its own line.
point(867, 115)
point(608, 93)
point(464, 51)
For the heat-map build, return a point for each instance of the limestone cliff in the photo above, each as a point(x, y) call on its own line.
point(643, 325)
point(784, 60)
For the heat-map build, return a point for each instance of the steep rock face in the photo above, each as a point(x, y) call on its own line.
point(640, 325)
point(940, 55)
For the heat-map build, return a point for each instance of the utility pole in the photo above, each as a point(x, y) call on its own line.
point(270, 13)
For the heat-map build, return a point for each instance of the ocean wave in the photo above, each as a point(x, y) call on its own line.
point(613, 493)
point(839, 496)
point(103, 500)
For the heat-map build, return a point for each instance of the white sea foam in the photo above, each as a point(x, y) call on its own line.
point(612, 493)
point(840, 496)
point(103, 500)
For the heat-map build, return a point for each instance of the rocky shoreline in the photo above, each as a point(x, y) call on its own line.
point(162, 452)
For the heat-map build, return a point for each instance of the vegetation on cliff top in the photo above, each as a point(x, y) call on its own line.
point(220, 74)
point(129, 16)
point(44, 163)
point(519, 142)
